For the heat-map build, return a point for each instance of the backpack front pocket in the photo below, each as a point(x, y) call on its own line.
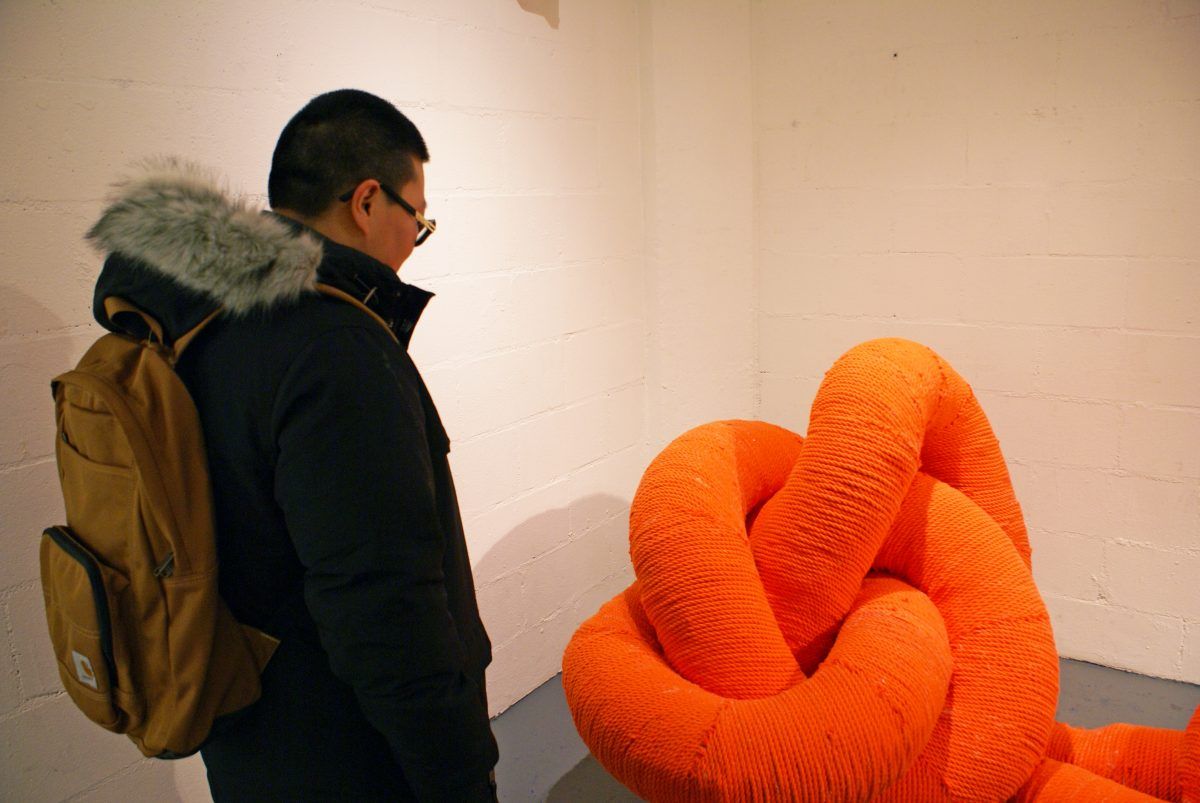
point(81, 594)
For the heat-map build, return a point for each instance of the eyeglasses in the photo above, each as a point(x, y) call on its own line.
point(428, 227)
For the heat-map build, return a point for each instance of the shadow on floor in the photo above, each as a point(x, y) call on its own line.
point(587, 782)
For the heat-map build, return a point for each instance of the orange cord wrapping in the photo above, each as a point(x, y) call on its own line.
point(850, 616)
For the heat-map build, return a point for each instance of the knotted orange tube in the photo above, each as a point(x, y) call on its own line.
point(1189, 761)
point(807, 655)
point(1142, 758)
point(1056, 782)
point(669, 739)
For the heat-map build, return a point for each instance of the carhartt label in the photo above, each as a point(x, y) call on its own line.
point(84, 671)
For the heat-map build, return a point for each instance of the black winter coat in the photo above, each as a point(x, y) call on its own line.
point(338, 526)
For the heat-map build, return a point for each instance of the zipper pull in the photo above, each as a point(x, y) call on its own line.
point(167, 567)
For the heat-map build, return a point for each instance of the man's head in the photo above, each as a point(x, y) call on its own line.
point(346, 165)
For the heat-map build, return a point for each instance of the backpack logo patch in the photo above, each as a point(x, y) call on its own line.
point(84, 671)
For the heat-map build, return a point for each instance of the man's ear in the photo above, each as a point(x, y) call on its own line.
point(363, 204)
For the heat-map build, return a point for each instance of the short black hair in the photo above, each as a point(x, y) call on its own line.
point(336, 141)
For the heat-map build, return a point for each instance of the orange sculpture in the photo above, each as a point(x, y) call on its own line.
point(848, 616)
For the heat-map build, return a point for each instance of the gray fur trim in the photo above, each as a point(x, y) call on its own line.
point(174, 217)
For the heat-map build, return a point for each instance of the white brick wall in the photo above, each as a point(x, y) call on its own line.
point(656, 214)
point(699, 201)
point(1016, 185)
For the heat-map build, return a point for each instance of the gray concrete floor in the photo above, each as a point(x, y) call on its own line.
point(1089, 696)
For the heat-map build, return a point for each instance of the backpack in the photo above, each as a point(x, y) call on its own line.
point(145, 645)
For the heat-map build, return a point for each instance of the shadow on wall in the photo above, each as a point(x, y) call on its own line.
point(542, 578)
point(543, 8)
point(41, 349)
point(39, 346)
point(535, 586)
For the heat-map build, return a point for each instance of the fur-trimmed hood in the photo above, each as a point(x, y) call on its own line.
point(174, 218)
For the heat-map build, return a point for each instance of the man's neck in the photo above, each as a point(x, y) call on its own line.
point(328, 226)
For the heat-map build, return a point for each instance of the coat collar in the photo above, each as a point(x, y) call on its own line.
point(180, 245)
point(370, 281)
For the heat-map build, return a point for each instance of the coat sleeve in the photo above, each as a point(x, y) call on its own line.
point(356, 487)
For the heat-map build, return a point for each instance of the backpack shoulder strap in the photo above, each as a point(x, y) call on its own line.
point(129, 318)
point(117, 308)
point(119, 311)
point(187, 337)
point(333, 292)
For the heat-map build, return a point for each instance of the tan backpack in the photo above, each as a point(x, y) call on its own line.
point(144, 643)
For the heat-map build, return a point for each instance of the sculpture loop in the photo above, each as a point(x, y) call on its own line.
point(848, 616)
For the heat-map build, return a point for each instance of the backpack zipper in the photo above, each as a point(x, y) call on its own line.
point(64, 539)
point(167, 567)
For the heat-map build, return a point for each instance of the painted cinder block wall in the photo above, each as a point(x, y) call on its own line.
point(1016, 185)
point(698, 152)
point(534, 347)
point(654, 214)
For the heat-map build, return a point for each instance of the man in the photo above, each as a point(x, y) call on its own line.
point(338, 526)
